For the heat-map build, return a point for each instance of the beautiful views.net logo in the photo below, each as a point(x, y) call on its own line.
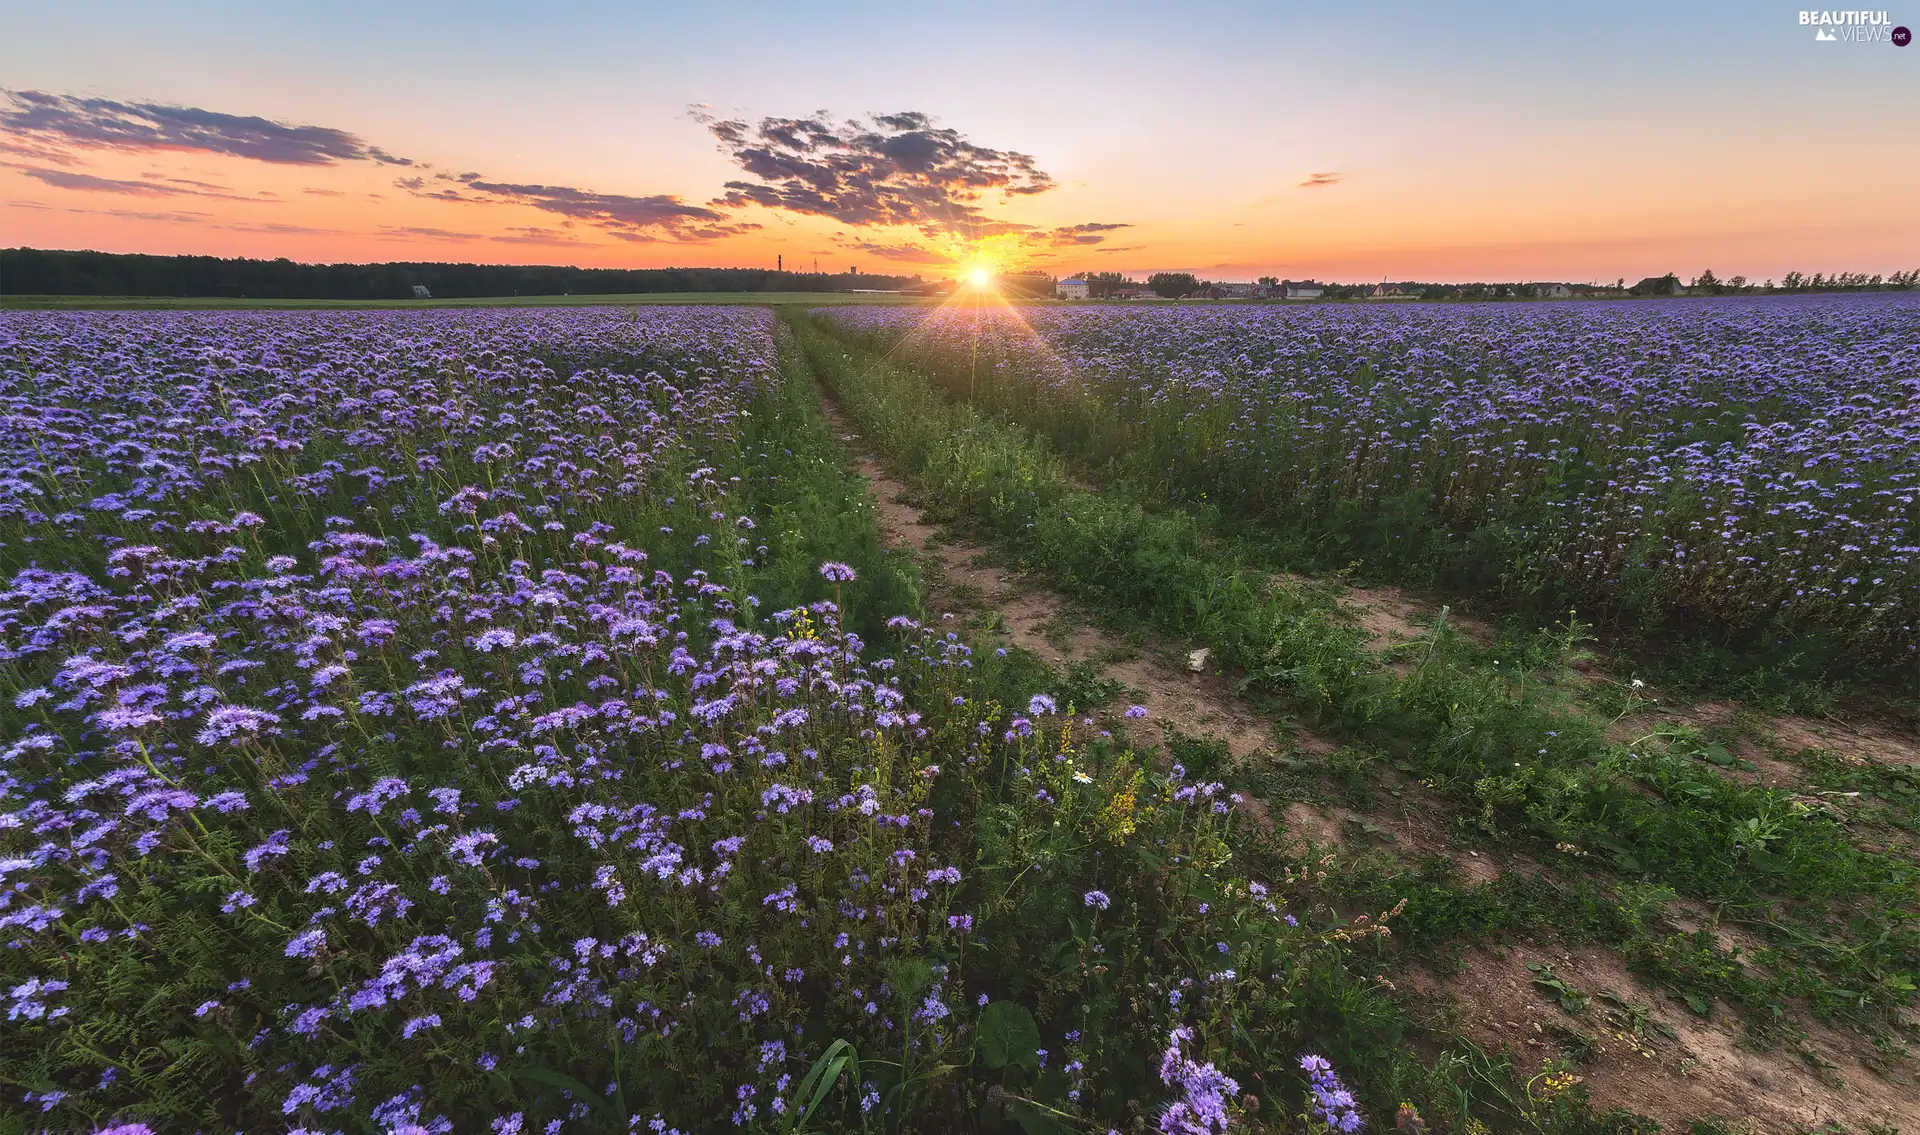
point(1855, 26)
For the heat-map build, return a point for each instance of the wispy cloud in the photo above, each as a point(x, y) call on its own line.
point(65, 121)
point(523, 234)
point(410, 232)
point(1091, 233)
point(281, 229)
point(37, 152)
point(89, 183)
point(899, 253)
point(535, 235)
point(655, 217)
point(1320, 180)
point(176, 217)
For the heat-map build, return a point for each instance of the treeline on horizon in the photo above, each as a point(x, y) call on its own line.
point(1174, 285)
point(48, 272)
point(32, 271)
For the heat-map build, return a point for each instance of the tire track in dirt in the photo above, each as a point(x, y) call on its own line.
point(1038, 619)
point(1649, 1054)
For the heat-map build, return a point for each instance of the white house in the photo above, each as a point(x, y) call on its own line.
point(1305, 291)
point(420, 292)
point(1075, 289)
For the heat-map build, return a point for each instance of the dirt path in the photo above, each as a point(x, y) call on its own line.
point(965, 583)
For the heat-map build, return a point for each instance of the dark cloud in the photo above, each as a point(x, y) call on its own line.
point(642, 219)
point(1320, 180)
point(884, 170)
point(65, 120)
point(323, 192)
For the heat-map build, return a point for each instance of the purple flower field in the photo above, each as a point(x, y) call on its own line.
point(453, 721)
point(1740, 464)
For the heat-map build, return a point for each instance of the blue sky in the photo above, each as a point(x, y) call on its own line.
point(1459, 141)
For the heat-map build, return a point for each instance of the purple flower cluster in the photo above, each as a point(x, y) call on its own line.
point(1204, 1093)
point(1332, 1103)
point(395, 692)
point(1752, 458)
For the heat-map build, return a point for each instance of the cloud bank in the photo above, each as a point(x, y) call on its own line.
point(884, 170)
point(621, 215)
point(89, 123)
point(899, 171)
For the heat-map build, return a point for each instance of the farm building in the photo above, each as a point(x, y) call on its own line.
point(1667, 285)
point(1075, 289)
point(1304, 291)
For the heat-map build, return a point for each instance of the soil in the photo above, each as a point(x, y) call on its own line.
point(1391, 617)
point(1768, 738)
point(1863, 739)
point(1705, 1068)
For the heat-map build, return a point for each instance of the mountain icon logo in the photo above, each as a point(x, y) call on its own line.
point(1825, 35)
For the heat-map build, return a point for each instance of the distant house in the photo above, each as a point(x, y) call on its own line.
point(1133, 293)
point(1240, 291)
point(1304, 291)
point(1667, 285)
point(420, 292)
point(1395, 292)
point(1075, 289)
point(1553, 291)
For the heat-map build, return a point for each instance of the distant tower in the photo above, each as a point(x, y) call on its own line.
point(779, 263)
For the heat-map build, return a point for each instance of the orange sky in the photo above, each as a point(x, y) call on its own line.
point(1403, 142)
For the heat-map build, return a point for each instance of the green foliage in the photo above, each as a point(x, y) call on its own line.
point(1523, 760)
point(1008, 1035)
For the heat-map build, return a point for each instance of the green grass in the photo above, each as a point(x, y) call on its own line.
point(1520, 757)
point(198, 303)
